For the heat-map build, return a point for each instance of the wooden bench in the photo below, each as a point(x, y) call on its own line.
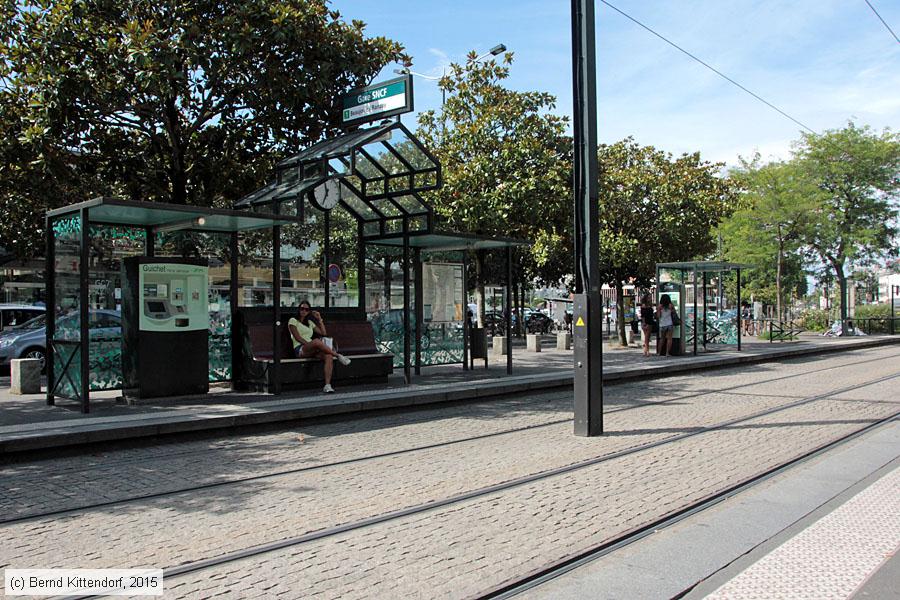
point(353, 337)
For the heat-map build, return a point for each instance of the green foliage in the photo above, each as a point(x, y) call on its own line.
point(655, 208)
point(874, 311)
point(506, 165)
point(184, 102)
point(853, 221)
point(767, 229)
point(815, 319)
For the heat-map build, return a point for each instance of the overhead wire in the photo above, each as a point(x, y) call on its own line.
point(708, 66)
point(883, 22)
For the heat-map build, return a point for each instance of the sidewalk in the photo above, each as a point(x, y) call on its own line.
point(27, 423)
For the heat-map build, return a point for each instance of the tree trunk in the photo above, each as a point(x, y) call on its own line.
point(177, 168)
point(620, 313)
point(518, 308)
point(842, 285)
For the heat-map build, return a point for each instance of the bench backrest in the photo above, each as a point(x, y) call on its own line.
point(351, 337)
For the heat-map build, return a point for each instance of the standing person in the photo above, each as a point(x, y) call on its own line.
point(306, 345)
point(746, 318)
point(646, 322)
point(665, 314)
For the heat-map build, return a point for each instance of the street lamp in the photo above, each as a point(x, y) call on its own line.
point(498, 49)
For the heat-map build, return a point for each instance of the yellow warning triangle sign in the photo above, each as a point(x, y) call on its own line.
point(579, 322)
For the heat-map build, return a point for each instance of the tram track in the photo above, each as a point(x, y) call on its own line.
point(257, 550)
point(355, 460)
point(421, 448)
point(236, 446)
point(535, 579)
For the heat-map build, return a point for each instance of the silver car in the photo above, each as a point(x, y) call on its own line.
point(13, 315)
point(29, 340)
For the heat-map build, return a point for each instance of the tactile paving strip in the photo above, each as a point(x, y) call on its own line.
point(832, 557)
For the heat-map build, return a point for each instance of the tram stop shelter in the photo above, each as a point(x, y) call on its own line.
point(86, 243)
point(696, 287)
point(375, 174)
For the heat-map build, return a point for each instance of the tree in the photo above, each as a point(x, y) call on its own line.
point(506, 165)
point(654, 208)
point(184, 102)
point(766, 231)
point(853, 222)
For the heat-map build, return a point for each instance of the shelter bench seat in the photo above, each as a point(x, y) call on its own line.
point(353, 338)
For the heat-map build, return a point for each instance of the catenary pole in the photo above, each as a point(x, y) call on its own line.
point(586, 308)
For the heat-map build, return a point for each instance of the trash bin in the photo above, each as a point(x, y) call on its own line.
point(478, 342)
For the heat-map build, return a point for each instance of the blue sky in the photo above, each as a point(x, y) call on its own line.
point(821, 61)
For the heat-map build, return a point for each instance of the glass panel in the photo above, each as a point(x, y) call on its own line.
point(410, 204)
point(67, 369)
point(418, 223)
point(373, 188)
point(109, 246)
point(67, 333)
point(339, 165)
point(387, 159)
point(386, 207)
point(442, 334)
point(393, 226)
point(365, 168)
point(343, 265)
point(410, 151)
point(302, 277)
point(361, 208)
point(384, 299)
point(399, 184)
point(372, 228)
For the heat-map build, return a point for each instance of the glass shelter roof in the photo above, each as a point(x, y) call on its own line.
point(378, 174)
point(152, 214)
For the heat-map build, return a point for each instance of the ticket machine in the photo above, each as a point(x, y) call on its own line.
point(165, 327)
point(675, 292)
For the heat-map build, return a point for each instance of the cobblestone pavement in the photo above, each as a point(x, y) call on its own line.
point(452, 551)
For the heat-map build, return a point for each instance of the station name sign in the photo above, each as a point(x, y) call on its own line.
point(377, 101)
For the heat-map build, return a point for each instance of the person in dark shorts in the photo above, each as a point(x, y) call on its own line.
point(665, 314)
point(646, 322)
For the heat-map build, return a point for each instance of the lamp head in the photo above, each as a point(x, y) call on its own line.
point(498, 49)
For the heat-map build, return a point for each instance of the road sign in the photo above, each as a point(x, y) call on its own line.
point(334, 273)
point(377, 101)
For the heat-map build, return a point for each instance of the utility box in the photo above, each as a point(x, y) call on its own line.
point(165, 327)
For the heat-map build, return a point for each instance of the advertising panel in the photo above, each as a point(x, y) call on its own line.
point(173, 297)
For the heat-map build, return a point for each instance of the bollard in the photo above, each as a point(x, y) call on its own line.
point(25, 376)
point(533, 342)
point(501, 345)
point(563, 341)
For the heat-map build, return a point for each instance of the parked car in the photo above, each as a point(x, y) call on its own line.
point(29, 340)
point(12, 315)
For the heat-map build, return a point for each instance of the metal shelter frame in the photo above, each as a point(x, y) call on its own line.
point(377, 174)
point(703, 269)
point(152, 217)
point(447, 242)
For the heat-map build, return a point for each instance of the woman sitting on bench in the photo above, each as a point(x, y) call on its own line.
point(306, 345)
